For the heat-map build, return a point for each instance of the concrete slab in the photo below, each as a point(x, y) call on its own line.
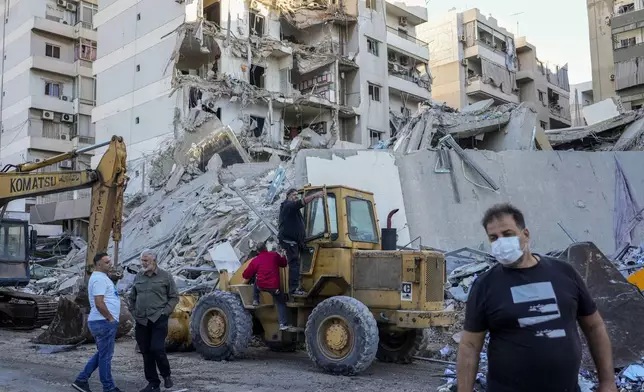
point(517, 134)
point(478, 107)
point(575, 188)
point(601, 111)
point(473, 128)
point(630, 136)
point(568, 135)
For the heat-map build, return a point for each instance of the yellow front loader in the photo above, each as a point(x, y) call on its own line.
point(363, 302)
point(108, 181)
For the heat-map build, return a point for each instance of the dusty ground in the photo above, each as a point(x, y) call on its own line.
point(261, 371)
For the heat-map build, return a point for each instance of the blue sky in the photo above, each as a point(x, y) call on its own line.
point(558, 28)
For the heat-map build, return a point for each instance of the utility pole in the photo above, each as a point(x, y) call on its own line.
point(517, 15)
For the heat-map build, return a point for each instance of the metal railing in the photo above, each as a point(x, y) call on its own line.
point(408, 76)
point(85, 25)
point(408, 37)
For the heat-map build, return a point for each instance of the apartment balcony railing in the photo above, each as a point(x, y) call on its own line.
point(560, 111)
point(619, 45)
point(408, 37)
point(626, 8)
point(85, 25)
point(409, 76)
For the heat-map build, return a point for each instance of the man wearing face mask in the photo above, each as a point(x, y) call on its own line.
point(530, 305)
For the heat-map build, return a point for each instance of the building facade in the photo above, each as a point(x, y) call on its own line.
point(580, 97)
point(546, 86)
point(48, 88)
point(616, 29)
point(472, 58)
point(334, 68)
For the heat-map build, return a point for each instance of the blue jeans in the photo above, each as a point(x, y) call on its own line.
point(105, 333)
point(278, 299)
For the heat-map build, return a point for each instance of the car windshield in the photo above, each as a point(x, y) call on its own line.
point(316, 224)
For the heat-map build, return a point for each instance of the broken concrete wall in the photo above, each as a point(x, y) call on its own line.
point(517, 134)
point(574, 188)
point(602, 111)
point(373, 171)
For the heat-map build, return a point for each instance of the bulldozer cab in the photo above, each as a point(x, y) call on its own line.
point(14, 253)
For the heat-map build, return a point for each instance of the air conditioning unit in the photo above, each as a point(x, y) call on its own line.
point(65, 164)
point(47, 115)
point(64, 98)
point(71, 7)
point(612, 77)
point(402, 21)
point(61, 3)
point(67, 118)
point(64, 136)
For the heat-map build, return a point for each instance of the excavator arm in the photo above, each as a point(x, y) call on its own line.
point(108, 182)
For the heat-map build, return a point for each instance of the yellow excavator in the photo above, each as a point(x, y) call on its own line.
point(67, 317)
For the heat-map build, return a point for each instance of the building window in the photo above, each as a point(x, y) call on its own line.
point(52, 89)
point(52, 51)
point(372, 46)
point(257, 125)
point(87, 13)
point(625, 43)
point(138, 16)
point(136, 120)
point(544, 125)
point(622, 9)
point(256, 24)
point(374, 137)
point(541, 97)
point(85, 50)
point(371, 4)
point(138, 67)
point(257, 76)
point(374, 92)
point(404, 60)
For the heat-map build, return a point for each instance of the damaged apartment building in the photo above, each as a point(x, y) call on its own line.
point(270, 70)
point(474, 59)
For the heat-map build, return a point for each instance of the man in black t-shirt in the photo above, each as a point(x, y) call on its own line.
point(291, 235)
point(530, 305)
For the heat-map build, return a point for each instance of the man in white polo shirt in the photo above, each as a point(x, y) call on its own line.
point(103, 322)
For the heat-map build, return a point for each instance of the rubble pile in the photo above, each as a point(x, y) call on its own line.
point(198, 223)
point(434, 120)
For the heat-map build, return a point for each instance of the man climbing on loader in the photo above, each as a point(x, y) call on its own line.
point(291, 235)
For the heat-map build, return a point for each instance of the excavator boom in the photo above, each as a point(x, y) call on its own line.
point(108, 183)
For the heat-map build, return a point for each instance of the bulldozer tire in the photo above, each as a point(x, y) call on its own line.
point(341, 336)
point(220, 327)
point(399, 347)
point(281, 347)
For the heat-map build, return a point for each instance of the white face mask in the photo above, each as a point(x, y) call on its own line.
point(507, 250)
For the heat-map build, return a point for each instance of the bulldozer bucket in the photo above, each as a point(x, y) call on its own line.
point(69, 325)
point(620, 303)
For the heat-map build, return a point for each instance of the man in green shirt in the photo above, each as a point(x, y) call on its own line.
point(152, 300)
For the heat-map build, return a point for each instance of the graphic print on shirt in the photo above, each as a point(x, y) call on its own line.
point(541, 307)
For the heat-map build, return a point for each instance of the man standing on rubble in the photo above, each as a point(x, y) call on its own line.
point(292, 235)
point(152, 301)
point(265, 267)
point(103, 321)
point(530, 305)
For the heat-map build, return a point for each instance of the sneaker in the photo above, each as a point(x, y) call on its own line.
point(81, 386)
point(284, 327)
point(151, 388)
point(167, 382)
point(255, 303)
point(299, 293)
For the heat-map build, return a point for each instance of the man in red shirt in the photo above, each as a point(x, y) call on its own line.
point(265, 267)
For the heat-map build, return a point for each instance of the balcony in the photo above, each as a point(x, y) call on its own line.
point(526, 75)
point(54, 27)
point(407, 83)
point(83, 68)
point(54, 104)
point(85, 30)
point(407, 43)
point(475, 88)
point(415, 15)
point(482, 49)
point(560, 113)
point(53, 65)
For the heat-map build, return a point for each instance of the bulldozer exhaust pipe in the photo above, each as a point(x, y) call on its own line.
point(388, 235)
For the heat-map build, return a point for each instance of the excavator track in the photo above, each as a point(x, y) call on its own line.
point(25, 311)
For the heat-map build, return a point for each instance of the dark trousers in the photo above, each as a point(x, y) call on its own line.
point(293, 257)
point(278, 298)
point(151, 341)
